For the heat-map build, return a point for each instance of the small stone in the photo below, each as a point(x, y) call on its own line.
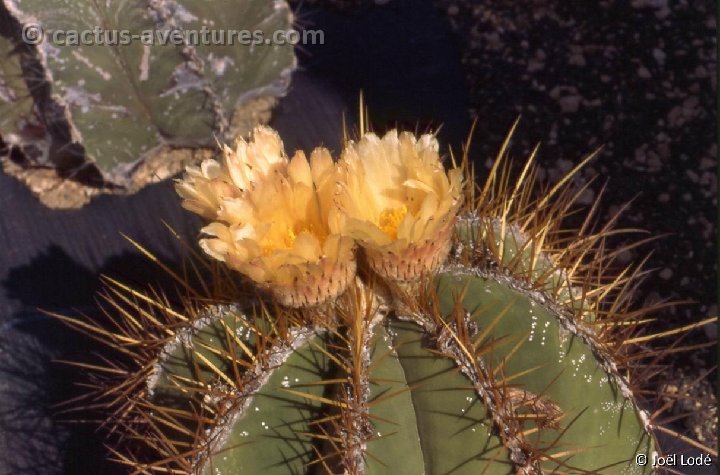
point(587, 197)
point(711, 330)
point(565, 165)
point(644, 73)
point(624, 257)
point(570, 104)
point(577, 59)
point(535, 65)
point(654, 164)
point(663, 150)
point(707, 163)
point(659, 56)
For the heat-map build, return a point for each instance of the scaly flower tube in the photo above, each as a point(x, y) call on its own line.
point(270, 218)
point(396, 199)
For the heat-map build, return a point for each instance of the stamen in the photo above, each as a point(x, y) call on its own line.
point(390, 220)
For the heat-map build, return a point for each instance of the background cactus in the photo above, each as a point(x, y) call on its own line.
point(150, 98)
point(517, 356)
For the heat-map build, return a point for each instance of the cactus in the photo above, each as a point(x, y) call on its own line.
point(471, 334)
point(154, 93)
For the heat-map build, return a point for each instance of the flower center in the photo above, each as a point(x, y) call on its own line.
point(390, 220)
point(286, 240)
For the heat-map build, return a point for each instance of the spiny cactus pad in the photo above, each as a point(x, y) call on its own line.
point(107, 106)
point(514, 356)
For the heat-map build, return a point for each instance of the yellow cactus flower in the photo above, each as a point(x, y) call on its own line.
point(270, 218)
point(396, 199)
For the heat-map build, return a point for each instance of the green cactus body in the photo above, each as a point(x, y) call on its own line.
point(147, 76)
point(523, 388)
point(509, 357)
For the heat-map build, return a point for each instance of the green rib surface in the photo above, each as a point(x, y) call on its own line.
point(272, 436)
point(455, 435)
point(600, 430)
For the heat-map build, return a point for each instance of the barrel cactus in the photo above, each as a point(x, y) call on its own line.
point(378, 314)
point(170, 76)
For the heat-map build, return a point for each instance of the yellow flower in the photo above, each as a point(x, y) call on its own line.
point(203, 188)
point(270, 219)
point(397, 200)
